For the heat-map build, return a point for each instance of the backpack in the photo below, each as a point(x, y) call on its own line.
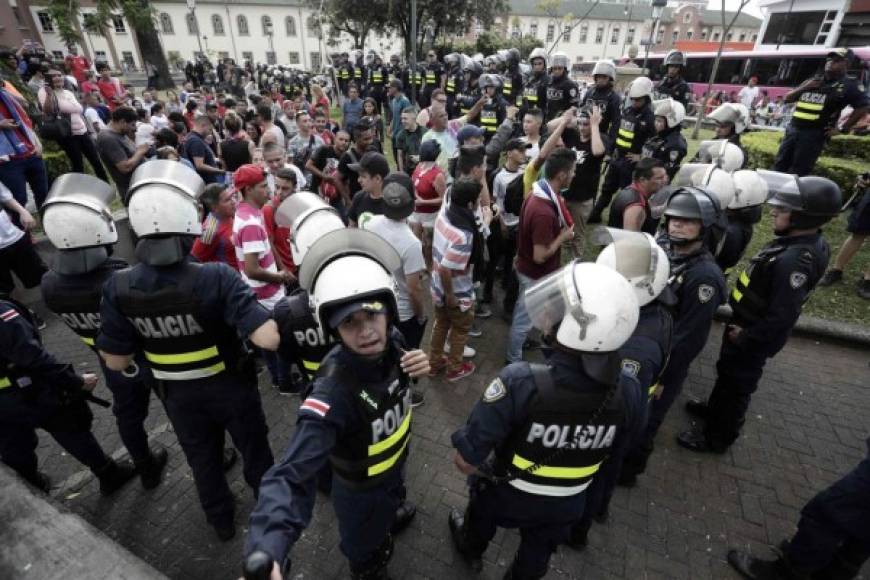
point(514, 195)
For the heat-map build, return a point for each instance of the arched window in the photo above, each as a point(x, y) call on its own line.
point(266, 21)
point(192, 28)
point(217, 24)
point(242, 25)
point(290, 23)
point(166, 24)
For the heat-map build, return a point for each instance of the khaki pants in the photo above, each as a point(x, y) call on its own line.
point(455, 322)
point(580, 211)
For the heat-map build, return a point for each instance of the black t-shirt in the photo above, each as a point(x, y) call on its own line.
point(363, 207)
point(351, 176)
point(323, 157)
point(195, 146)
point(588, 169)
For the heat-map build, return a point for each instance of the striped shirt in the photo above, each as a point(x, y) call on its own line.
point(451, 249)
point(250, 237)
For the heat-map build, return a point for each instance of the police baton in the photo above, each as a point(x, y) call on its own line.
point(91, 398)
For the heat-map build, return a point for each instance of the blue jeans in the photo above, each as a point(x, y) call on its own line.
point(17, 174)
point(521, 323)
point(278, 369)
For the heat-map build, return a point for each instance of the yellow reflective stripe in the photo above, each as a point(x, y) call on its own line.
point(310, 365)
point(626, 134)
point(623, 143)
point(556, 472)
point(532, 97)
point(737, 295)
point(189, 375)
point(652, 390)
point(809, 106)
point(744, 279)
point(87, 341)
point(4, 382)
point(805, 116)
point(381, 467)
point(392, 439)
point(182, 358)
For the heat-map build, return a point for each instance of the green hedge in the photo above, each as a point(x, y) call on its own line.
point(56, 161)
point(761, 146)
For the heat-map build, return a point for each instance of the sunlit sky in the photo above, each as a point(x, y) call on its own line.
point(751, 8)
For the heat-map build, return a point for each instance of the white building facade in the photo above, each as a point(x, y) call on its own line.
point(795, 25)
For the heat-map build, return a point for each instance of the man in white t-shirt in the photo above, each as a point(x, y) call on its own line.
point(275, 158)
point(92, 117)
point(749, 94)
point(17, 253)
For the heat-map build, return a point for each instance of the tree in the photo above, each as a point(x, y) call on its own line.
point(140, 15)
point(356, 18)
point(725, 30)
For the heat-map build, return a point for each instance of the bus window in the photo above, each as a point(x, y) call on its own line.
point(698, 70)
point(730, 71)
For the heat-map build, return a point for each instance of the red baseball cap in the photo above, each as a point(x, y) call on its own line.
point(248, 175)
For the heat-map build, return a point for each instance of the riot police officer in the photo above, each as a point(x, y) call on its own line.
point(396, 70)
point(377, 80)
point(358, 415)
point(535, 88)
point(549, 427)
point(693, 227)
point(494, 111)
point(636, 125)
point(470, 94)
point(512, 77)
point(645, 265)
point(767, 300)
point(603, 96)
point(673, 85)
point(743, 212)
point(344, 72)
point(77, 221)
point(38, 391)
point(186, 318)
point(668, 145)
point(562, 92)
point(731, 119)
point(818, 102)
point(434, 77)
point(417, 76)
point(455, 83)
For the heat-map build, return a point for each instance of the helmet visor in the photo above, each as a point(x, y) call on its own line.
point(633, 251)
point(709, 151)
point(692, 174)
point(554, 297)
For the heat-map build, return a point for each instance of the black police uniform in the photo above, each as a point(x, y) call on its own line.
point(562, 94)
point(512, 86)
point(358, 76)
point(700, 288)
point(767, 300)
point(418, 78)
point(38, 391)
point(466, 99)
point(529, 416)
point(535, 93)
point(453, 87)
point(741, 223)
point(816, 110)
point(302, 340)
point(377, 81)
point(491, 116)
point(434, 72)
point(669, 147)
point(676, 88)
point(186, 319)
point(608, 102)
point(344, 73)
point(76, 299)
point(627, 197)
point(358, 417)
point(628, 136)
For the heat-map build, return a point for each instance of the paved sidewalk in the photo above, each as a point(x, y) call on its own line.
point(806, 428)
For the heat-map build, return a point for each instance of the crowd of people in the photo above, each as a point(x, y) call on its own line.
point(333, 206)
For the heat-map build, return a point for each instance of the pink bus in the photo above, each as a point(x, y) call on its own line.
point(777, 72)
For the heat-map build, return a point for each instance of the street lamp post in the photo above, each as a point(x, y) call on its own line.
point(658, 7)
point(191, 5)
point(270, 32)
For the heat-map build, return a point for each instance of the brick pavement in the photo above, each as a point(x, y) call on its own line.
point(806, 427)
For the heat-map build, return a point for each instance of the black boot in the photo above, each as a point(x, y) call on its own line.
point(376, 567)
point(114, 475)
point(697, 408)
point(512, 574)
point(150, 471)
point(225, 531)
point(404, 514)
point(460, 539)
point(579, 535)
point(756, 569)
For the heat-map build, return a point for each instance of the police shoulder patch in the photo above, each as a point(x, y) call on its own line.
point(797, 279)
point(630, 366)
point(705, 292)
point(495, 391)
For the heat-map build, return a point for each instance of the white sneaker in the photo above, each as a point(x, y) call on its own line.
point(467, 352)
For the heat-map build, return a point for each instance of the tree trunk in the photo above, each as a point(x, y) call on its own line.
point(113, 52)
point(152, 52)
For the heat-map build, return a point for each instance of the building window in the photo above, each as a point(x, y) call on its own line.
point(316, 64)
point(45, 21)
point(248, 56)
point(242, 25)
point(730, 36)
point(192, 28)
point(270, 57)
point(313, 26)
point(166, 24)
point(614, 36)
point(533, 29)
point(290, 25)
point(516, 31)
point(794, 28)
point(127, 57)
point(217, 23)
point(551, 32)
point(703, 34)
point(629, 37)
point(754, 37)
point(716, 36)
point(566, 33)
point(100, 56)
point(687, 17)
point(742, 37)
point(675, 36)
point(599, 35)
point(293, 58)
point(118, 23)
point(266, 22)
point(660, 35)
point(689, 34)
point(584, 33)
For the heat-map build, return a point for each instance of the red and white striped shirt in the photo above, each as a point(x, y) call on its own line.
point(250, 237)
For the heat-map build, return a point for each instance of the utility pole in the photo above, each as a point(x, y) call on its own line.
point(412, 64)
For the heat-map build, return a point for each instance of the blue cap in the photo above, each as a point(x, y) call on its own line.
point(469, 131)
point(345, 310)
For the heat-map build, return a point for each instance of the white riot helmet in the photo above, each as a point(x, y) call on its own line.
point(348, 266)
point(750, 190)
point(673, 111)
point(734, 113)
point(636, 256)
point(538, 53)
point(706, 175)
point(308, 218)
point(593, 307)
point(640, 87)
point(721, 152)
point(163, 198)
point(604, 67)
point(76, 212)
point(560, 59)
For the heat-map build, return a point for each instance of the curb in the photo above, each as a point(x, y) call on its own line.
point(820, 328)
